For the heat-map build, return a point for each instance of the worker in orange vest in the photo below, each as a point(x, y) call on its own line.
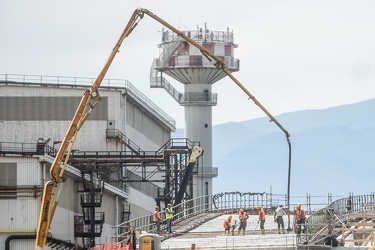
point(226, 224)
point(262, 219)
point(300, 218)
point(243, 221)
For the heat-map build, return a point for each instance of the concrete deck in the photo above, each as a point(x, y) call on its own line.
point(210, 234)
point(205, 231)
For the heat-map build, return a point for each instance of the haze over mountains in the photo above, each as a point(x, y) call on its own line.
point(332, 151)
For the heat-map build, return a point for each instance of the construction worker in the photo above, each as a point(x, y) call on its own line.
point(169, 217)
point(226, 224)
point(349, 204)
point(243, 221)
point(278, 217)
point(157, 219)
point(262, 219)
point(300, 218)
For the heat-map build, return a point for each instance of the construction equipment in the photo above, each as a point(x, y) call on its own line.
point(195, 154)
point(256, 226)
point(234, 226)
point(90, 99)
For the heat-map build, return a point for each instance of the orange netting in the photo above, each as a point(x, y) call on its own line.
point(112, 246)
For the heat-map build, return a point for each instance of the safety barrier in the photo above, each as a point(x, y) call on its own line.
point(221, 202)
point(338, 210)
point(229, 201)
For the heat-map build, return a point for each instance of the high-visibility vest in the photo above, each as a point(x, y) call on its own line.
point(300, 214)
point(243, 217)
point(261, 214)
point(226, 223)
point(168, 213)
point(279, 211)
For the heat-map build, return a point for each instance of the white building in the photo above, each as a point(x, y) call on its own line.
point(35, 113)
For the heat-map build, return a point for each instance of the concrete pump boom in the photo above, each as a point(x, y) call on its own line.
point(89, 100)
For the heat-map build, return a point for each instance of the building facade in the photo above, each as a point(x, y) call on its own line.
point(35, 114)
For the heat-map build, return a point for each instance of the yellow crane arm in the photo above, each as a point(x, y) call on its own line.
point(89, 100)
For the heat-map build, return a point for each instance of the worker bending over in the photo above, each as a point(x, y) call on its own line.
point(226, 224)
point(243, 221)
point(262, 219)
point(278, 217)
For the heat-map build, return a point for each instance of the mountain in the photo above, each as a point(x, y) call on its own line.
point(332, 151)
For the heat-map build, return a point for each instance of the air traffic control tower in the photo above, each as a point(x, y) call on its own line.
point(185, 63)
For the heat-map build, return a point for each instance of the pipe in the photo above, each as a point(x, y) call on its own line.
point(17, 196)
point(116, 211)
point(44, 173)
point(289, 172)
point(18, 237)
point(33, 237)
point(16, 231)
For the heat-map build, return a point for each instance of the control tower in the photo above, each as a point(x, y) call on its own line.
point(185, 63)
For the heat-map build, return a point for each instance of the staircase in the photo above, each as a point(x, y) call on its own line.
point(170, 49)
point(90, 224)
point(159, 81)
point(115, 133)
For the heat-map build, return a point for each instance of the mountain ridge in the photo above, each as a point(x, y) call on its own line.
point(332, 151)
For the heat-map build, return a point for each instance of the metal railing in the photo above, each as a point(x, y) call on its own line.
point(26, 148)
point(331, 224)
point(222, 202)
point(332, 215)
point(161, 82)
point(337, 211)
point(201, 36)
point(182, 211)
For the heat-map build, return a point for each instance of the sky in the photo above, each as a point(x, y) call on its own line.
point(294, 54)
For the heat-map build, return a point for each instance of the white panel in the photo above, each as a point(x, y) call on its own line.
point(28, 171)
point(141, 200)
point(194, 50)
point(219, 50)
point(62, 226)
point(19, 214)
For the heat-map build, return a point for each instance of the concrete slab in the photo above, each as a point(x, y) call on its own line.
point(205, 231)
point(210, 234)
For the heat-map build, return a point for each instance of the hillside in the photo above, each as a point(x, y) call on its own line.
point(333, 151)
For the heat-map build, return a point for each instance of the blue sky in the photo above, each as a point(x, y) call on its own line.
point(294, 55)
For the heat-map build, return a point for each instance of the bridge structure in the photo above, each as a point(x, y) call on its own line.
point(346, 223)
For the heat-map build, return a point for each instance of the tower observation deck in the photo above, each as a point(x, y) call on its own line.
point(186, 64)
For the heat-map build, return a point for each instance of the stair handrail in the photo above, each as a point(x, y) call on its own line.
point(126, 141)
point(168, 50)
point(161, 82)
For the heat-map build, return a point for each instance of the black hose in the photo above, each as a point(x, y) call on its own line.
point(33, 237)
